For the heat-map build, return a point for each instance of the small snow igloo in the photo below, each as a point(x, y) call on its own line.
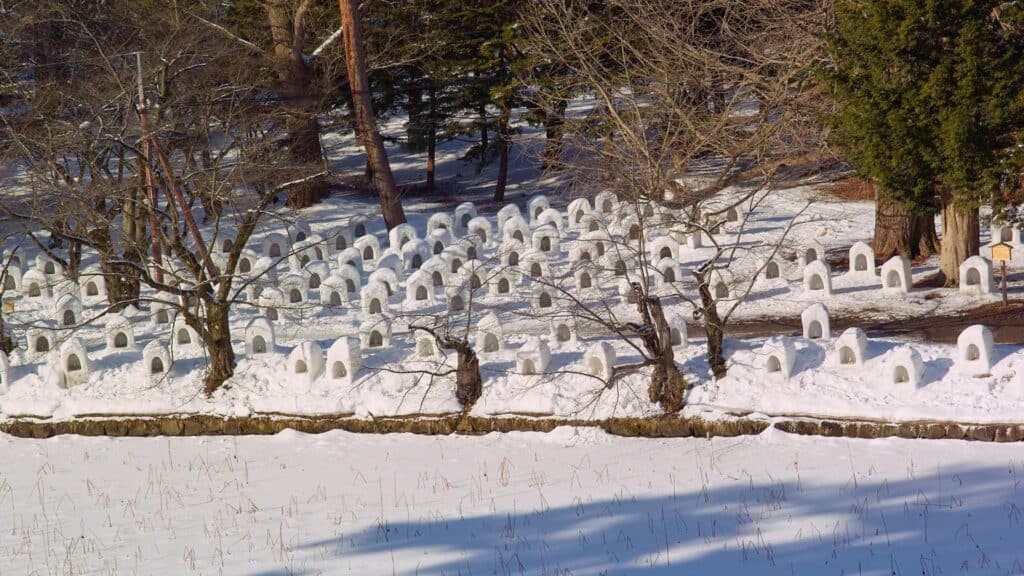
point(896, 275)
point(439, 221)
point(562, 331)
point(807, 254)
point(74, 364)
point(533, 357)
point(344, 360)
point(34, 284)
point(677, 331)
point(463, 214)
point(11, 278)
point(489, 336)
point(862, 261)
point(419, 290)
point(259, 336)
point(68, 311)
point(333, 291)
point(536, 205)
point(39, 342)
point(779, 357)
point(606, 202)
point(818, 277)
point(816, 324)
point(93, 287)
point(906, 367)
point(120, 335)
point(374, 298)
point(482, 229)
point(156, 360)
point(184, 335)
point(545, 239)
point(1005, 233)
point(577, 209)
point(368, 246)
point(599, 361)
point(305, 364)
point(976, 276)
point(375, 335)
point(400, 235)
point(975, 351)
point(554, 218)
point(276, 246)
point(851, 348)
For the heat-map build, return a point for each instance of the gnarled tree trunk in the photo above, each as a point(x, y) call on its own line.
point(713, 329)
point(899, 230)
point(961, 239)
point(668, 387)
point(468, 382)
point(215, 329)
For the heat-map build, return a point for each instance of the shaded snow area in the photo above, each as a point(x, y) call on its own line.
point(394, 378)
point(570, 502)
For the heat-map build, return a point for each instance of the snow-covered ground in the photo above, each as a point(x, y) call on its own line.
point(570, 502)
point(118, 383)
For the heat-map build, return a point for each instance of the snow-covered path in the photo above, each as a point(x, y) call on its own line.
point(571, 502)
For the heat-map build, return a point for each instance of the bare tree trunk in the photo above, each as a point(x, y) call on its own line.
point(554, 124)
point(714, 331)
point(216, 329)
point(504, 143)
point(355, 61)
point(899, 230)
point(960, 239)
point(432, 141)
point(668, 387)
point(468, 382)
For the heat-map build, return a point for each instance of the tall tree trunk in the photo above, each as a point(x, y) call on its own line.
point(899, 230)
point(299, 96)
point(468, 383)
point(504, 144)
point(355, 61)
point(554, 124)
point(961, 238)
point(432, 140)
point(216, 331)
point(484, 138)
point(667, 387)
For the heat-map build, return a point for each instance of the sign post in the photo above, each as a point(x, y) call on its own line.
point(1002, 253)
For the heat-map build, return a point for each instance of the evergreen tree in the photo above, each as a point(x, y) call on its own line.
point(930, 104)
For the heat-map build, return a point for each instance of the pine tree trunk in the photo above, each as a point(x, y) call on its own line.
point(899, 230)
point(355, 60)
point(484, 138)
point(504, 143)
point(218, 345)
point(553, 128)
point(432, 142)
point(960, 239)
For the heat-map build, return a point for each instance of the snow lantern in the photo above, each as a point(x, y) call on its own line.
point(344, 360)
point(316, 272)
point(664, 247)
point(426, 346)
point(333, 292)
point(606, 202)
point(438, 240)
point(976, 276)
point(351, 277)
point(271, 302)
point(74, 364)
point(862, 261)
point(159, 313)
point(368, 247)
point(275, 245)
point(677, 331)
point(93, 287)
point(259, 336)
point(533, 357)
point(120, 335)
point(975, 351)
point(779, 357)
point(293, 286)
point(907, 367)
point(47, 265)
point(562, 331)
point(489, 337)
point(507, 212)
point(816, 323)
point(503, 283)
point(375, 334)
point(577, 209)
point(473, 274)
point(419, 290)
point(599, 240)
point(156, 360)
point(340, 238)
point(545, 239)
point(818, 277)
point(851, 348)
point(439, 221)
point(455, 255)
point(386, 276)
point(11, 278)
point(68, 311)
point(299, 231)
point(552, 217)
point(184, 335)
point(770, 269)
point(415, 253)
point(669, 272)
point(374, 298)
point(400, 235)
point(542, 297)
point(537, 204)
point(351, 257)
point(807, 254)
point(358, 226)
point(535, 264)
point(463, 214)
point(514, 232)
point(67, 288)
point(35, 285)
point(599, 361)
point(585, 278)
point(896, 275)
point(456, 298)
point(1005, 233)
point(581, 252)
point(39, 342)
point(305, 364)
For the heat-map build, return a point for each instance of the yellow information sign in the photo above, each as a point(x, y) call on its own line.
point(1002, 252)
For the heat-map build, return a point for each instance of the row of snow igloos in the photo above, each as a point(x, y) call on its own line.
point(975, 350)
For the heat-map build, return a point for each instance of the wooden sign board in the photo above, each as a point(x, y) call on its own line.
point(1002, 252)
point(8, 305)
